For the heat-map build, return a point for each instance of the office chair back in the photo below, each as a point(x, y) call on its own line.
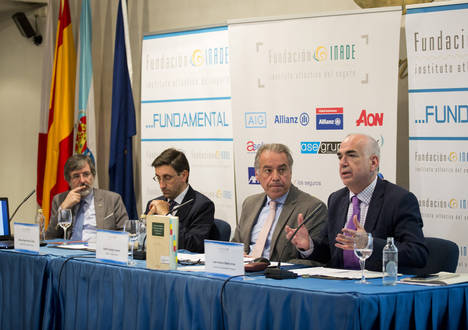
point(443, 257)
point(223, 230)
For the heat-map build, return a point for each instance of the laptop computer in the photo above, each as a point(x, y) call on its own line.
point(6, 240)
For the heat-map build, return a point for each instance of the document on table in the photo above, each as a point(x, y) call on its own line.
point(81, 246)
point(439, 279)
point(198, 260)
point(333, 273)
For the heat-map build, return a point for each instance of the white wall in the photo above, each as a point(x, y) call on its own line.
point(20, 88)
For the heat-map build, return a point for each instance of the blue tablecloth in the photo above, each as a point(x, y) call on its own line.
point(56, 292)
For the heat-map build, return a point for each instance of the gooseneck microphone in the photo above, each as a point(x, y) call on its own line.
point(24, 201)
point(280, 274)
point(175, 208)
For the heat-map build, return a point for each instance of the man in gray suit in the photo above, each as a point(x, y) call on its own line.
point(265, 215)
point(91, 208)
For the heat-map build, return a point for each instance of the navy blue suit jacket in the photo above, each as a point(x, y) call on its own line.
point(196, 221)
point(393, 212)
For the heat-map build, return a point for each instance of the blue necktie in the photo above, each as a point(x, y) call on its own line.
point(78, 227)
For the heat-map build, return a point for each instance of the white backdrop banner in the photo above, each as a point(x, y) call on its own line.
point(309, 82)
point(186, 104)
point(437, 45)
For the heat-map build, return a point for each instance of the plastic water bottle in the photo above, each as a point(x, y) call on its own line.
point(40, 220)
point(390, 263)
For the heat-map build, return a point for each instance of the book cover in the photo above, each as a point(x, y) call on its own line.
point(161, 241)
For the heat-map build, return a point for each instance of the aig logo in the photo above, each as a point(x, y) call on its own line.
point(252, 177)
point(255, 120)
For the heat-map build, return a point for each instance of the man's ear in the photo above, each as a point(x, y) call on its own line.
point(374, 163)
point(185, 175)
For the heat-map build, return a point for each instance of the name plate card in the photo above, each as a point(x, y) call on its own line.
point(112, 246)
point(224, 258)
point(26, 237)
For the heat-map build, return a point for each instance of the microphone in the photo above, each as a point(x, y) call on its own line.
point(280, 274)
point(24, 201)
point(175, 208)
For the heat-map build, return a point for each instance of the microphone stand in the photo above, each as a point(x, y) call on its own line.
point(280, 274)
point(24, 201)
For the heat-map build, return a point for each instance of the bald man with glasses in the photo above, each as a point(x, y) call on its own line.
point(195, 210)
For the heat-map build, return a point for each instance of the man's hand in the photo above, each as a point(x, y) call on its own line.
point(73, 198)
point(159, 206)
point(346, 240)
point(301, 240)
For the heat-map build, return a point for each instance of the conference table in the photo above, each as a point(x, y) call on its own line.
point(63, 289)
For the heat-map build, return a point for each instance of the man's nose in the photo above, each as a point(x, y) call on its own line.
point(275, 175)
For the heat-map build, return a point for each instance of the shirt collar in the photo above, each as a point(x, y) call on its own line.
point(365, 195)
point(278, 201)
point(181, 196)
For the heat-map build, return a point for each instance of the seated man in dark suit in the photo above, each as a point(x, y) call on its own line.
point(265, 215)
point(380, 207)
point(91, 208)
point(196, 218)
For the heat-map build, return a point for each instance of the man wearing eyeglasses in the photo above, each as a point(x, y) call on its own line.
point(195, 210)
point(91, 207)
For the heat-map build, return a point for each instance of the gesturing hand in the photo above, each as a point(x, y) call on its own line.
point(301, 240)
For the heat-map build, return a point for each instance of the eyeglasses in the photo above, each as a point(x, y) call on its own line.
point(77, 176)
point(164, 178)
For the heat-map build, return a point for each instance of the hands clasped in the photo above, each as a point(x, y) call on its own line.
point(159, 206)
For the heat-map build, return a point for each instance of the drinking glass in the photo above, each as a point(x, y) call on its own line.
point(363, 247)
point(64, 221)
point(133, 228)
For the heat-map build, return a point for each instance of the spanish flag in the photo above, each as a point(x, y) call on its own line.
point(56, 145)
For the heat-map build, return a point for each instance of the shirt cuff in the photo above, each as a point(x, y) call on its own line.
point(307, 253)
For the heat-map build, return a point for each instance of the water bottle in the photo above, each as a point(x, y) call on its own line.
point(390, 263)
point(40, 220)
point(142, 234)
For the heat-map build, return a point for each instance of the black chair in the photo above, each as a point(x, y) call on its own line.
point(223, 230)
point(443, 257)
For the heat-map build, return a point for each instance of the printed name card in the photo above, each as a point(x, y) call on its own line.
point(112, 246)
point(26, 237)
point(224, 257)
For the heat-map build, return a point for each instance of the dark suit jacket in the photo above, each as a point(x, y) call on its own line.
point(110, 212)
point(296, 202)
point(393, 212)
point(195, 220)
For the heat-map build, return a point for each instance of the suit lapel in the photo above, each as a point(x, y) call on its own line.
point(183, 212)
point(375, 206)
point(99, 208)
point(252, 218)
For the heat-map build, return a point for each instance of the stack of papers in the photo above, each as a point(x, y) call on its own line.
point(442, 278)
point(333, 273)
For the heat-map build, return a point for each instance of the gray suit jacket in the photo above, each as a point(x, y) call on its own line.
point(297, 202)
point(110, 213)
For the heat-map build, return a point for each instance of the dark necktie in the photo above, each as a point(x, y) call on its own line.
point(172, 204)
point(349, 258)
